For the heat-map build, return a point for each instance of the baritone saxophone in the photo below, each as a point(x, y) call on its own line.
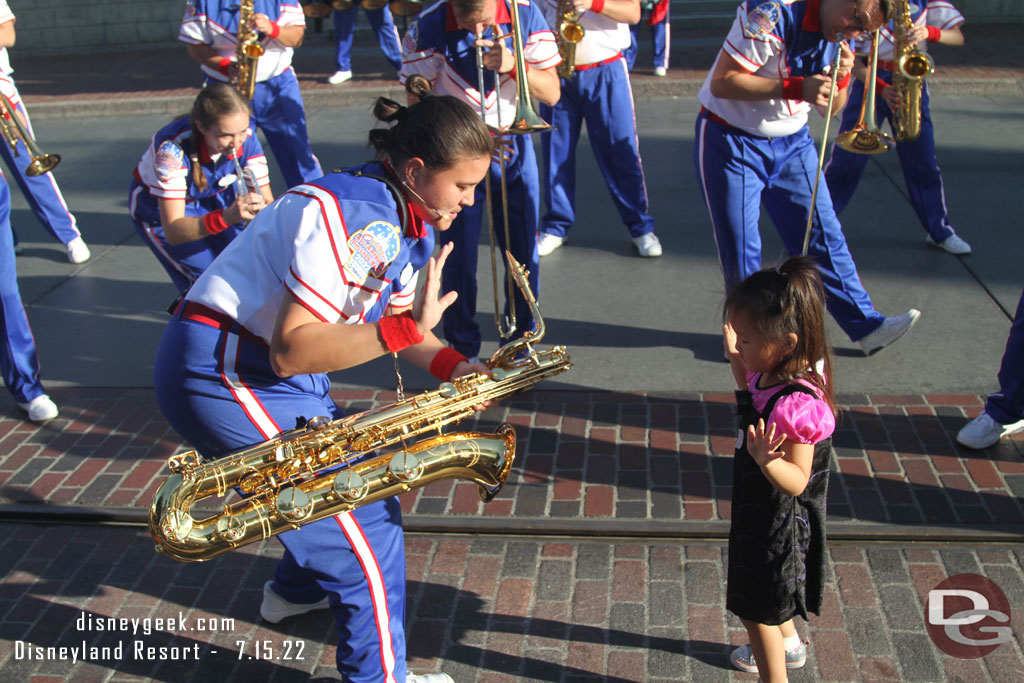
point(329, 466)
point(247, 52)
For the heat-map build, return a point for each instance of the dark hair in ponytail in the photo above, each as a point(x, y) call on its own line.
point(212, 102)
point(790, 299)
point(439, 129)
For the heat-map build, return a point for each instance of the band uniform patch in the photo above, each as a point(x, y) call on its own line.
point(762, 19)
point(373, 249)
point(170, 161)
point(405, 275)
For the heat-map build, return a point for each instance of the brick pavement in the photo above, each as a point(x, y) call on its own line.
point(491, 607)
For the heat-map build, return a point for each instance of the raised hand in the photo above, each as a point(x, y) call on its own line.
point(762, 446)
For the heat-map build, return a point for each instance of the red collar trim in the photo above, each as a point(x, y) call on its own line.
point(204, 151)
point(812, 16)
point(501, 16)
point(416, 227)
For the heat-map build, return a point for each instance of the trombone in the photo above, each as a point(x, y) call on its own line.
point(12, 129)
point(866, 137)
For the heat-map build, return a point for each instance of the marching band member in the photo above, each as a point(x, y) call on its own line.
point(383, 25)
point(753, 146)
point(657, 17)
point(184, 198)
point(324, 279)
point(19, 361)
point(935, 21)
point(41, 191)
point(440, 45)
point(600, 94)
point(210, 29)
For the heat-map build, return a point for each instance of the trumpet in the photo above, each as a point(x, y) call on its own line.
point(866, 137)
point(13, 130)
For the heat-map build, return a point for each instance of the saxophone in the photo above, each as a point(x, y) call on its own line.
point(569, 32)
point(911, 66)
point(247, 51)
point(323, 469)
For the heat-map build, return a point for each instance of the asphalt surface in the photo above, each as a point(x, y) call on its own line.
point(602, 559)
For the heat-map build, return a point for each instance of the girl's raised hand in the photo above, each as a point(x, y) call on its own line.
point(763, 447)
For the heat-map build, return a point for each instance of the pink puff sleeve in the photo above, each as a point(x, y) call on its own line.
point(803, 418)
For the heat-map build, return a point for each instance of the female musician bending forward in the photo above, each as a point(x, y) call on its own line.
point(324, 279)
point(184, 199)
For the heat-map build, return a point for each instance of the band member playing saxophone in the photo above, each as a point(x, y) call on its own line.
point(597, 93)
point(211, 34)
point(931, 21)
point(322, 280)
point(454, 45)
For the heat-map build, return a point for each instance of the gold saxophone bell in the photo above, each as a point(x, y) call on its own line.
point(912, 66)
point(866, 137)
point(570, 31)
point(13, 131)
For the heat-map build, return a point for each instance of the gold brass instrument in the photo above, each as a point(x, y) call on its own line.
point(313, 472)
point(570, 31)
point(824, 139)
point(527, 120)
point(866, 137)
point(247, 53)
point(911, 66)
point(13, 130)
point(507, 329)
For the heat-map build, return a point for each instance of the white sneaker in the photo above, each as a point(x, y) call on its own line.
point(954, 244)
point(78, 251)
point(891, 329)
point(429, 678)
point(339, 77)
point(660, 71)
point(40, 409)
point(983, 431)
point(274, 608)
point(648, 245)
point(548, 242)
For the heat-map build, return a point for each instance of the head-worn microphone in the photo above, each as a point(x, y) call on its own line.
point(438, 215)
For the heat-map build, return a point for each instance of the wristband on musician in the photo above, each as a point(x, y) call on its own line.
point(444, 362)
point(214, 222)
point(597, 6)
point(224, 65)
point(934, 34)
point(399, 332)
point(275, 30)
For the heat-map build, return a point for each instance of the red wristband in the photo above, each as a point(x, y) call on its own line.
point(224, 65)
point(399, 331)
point(444, 362)
point(214, 222)
point(275, 30)
point(841, 85)
point(597, 6)
point(880, 85)
point(934, 34)
point(793, 88)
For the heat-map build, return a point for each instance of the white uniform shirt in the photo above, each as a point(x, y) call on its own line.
point(303, 244)
point(756, 42)
point(208, 22)
point(5, 59)
point(603, 37)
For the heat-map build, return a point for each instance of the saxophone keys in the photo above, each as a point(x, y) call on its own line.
point(230, 528)
point(294, 504)
point(405, 467)
point(350, 486)
point(184, 463)
point(448, 390)
point(176, 525)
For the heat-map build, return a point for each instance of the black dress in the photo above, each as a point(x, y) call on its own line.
point(776, 541)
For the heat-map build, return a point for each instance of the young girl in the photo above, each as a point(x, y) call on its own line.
point(776, 343)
